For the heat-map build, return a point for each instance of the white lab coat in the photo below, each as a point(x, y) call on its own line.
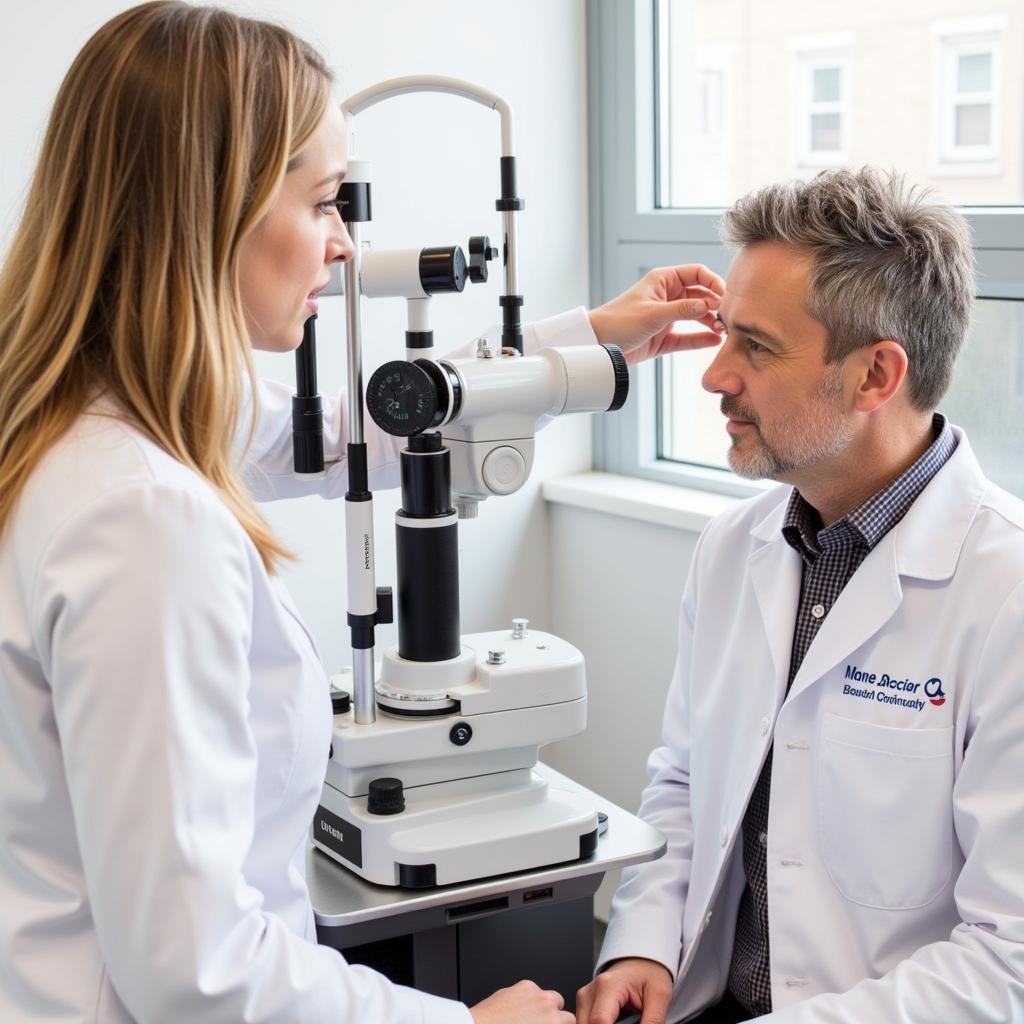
point(164, 732)
point(896, 833)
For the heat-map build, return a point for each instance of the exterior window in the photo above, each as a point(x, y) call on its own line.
point(970, 102)
point(823, 118)
point(693, 110)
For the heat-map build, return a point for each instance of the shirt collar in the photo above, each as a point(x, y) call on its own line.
point(867, 524)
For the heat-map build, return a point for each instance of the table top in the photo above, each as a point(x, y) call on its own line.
point(342, 898)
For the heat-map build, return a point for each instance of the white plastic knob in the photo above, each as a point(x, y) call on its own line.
point(504, 470)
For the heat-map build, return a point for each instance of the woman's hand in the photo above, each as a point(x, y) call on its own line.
point(522, 1003)
point(641, 320)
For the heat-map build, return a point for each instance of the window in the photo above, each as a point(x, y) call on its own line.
point(969, 100)
point(692, 103)
point(691, 110)
point(822, 120)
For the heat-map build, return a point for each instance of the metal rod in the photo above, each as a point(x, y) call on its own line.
point(364, 695)
point(355, 338)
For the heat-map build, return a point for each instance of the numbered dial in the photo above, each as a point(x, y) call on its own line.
point(402, 398)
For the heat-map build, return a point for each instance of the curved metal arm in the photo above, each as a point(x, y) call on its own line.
point(432, 83)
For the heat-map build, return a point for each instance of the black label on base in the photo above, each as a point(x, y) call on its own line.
point(344, 839)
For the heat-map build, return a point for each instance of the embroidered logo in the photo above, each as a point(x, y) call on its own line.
point(868, 685)
point(934, 692)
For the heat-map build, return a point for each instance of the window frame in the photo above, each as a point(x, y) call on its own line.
point(629, 233)
point(954, 38)
point(810, 54)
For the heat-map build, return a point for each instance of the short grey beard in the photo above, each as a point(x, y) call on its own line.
point(821, 433)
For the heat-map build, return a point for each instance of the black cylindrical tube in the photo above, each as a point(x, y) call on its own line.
point(426, 478)
point(358, 478)
point(443, 269)
point(508, 177)
point(428, 592)
point(358, 208)
point(511, 322)
point(307, 409)
point(305, 361)
point(508, 200)
point(427, 549)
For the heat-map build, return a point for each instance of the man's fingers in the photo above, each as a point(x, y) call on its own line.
point(584, 1001)
point(607, 1006)
point(656, 1000)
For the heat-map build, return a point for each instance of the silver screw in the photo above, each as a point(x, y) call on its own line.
point(496, 657)
point(483, 349)
point(519, 628)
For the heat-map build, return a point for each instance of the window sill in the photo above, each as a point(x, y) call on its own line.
point(682, 508)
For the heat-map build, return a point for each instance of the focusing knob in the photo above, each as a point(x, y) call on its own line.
point(386, 796)
point(461, 733)
point(481, 252)
point(621, 371)
point(401, 398)
point(442, 269)
point(341, 701)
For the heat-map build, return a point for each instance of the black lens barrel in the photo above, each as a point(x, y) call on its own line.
point(427, 548)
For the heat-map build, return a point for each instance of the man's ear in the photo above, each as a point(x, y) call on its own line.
point(882, 368)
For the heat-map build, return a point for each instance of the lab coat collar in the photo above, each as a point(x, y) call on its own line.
point(926, 544)
point(928, 540)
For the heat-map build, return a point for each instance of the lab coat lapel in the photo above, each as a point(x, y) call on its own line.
point(926, 545)
point(775, 576)
point(865, 605)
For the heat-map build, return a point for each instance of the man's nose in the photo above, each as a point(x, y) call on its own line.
point(721, 378)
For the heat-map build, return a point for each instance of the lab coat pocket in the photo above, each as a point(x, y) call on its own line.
point(885, 813)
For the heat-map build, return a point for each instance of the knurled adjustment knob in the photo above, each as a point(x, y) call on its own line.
point(386, 797)
point(621, 371)
point(341, 701)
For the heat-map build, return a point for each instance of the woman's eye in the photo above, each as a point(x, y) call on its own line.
point(331, 205)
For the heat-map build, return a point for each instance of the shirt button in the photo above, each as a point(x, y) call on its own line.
point(818, 611)
point(707, 920)
point(725, 835)
point(765, 725)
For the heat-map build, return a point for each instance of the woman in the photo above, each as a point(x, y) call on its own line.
point(164, 719)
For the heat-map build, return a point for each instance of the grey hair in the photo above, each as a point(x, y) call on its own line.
point(886, 263)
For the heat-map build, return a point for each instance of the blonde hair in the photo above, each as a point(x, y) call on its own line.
point(168, 141)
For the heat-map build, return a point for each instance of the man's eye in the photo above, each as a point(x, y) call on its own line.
point(755, 346)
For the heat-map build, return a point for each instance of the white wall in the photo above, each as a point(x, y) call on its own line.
point(616, 584)
point(436, 179)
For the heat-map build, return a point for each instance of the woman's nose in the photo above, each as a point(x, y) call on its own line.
point(339, 247)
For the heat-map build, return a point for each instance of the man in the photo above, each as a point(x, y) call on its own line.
point(840, 772)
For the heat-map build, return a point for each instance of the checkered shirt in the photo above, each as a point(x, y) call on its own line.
point(830, 558)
